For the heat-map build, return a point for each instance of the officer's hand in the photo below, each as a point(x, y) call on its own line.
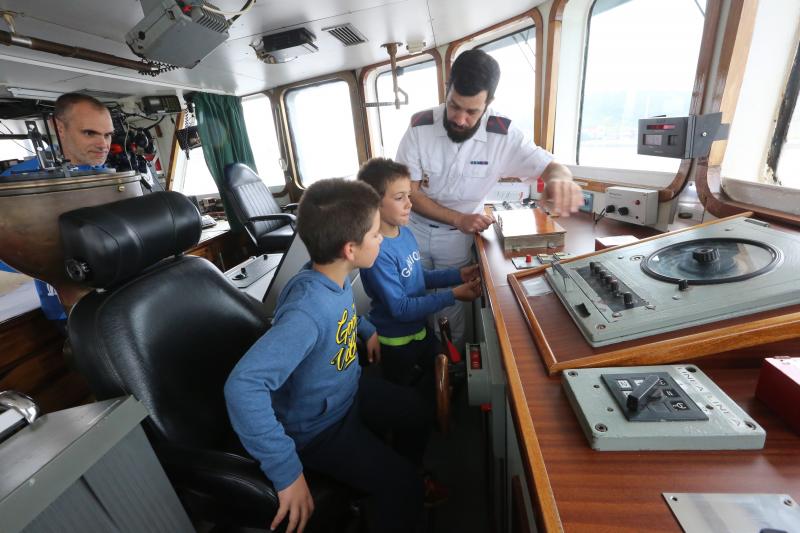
point(296, 501)
point(563, 195)
point(466, 292)
point(469, 272)
point(474, 222)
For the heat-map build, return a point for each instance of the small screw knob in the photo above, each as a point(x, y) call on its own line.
point(627, 299)
point(705, 255)
point(683, 284)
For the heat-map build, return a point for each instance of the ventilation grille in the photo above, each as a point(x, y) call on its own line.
point(346, 34)
point(209, 19)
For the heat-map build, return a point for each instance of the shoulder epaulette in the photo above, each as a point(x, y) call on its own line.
point(423, 118)
point(495, 124)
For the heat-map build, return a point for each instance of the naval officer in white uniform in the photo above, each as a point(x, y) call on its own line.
point(456, 153)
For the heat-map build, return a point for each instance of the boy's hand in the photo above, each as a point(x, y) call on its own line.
point(374, 349)
point(469, 272)
point(297, 501)
point(466, 292)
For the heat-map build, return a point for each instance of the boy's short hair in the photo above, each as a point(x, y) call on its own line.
point(379, 172)
point(474, 71)
point(332, 213)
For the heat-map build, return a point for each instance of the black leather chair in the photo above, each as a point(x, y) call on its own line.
point(268, 225)
point(168, 329)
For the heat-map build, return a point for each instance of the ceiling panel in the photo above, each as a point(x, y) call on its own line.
point(233, 68)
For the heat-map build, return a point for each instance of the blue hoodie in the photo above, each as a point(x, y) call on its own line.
point(397, 285)
point(301, 377)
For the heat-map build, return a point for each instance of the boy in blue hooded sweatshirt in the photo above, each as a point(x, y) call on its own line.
point(296, 398)
point(398, 284)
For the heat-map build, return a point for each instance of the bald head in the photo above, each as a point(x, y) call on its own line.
point(84, 127)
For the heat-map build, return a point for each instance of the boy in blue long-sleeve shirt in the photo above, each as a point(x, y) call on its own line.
point(297, 398)
point(397, 283)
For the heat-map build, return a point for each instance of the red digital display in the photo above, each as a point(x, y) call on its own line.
point(661, 126)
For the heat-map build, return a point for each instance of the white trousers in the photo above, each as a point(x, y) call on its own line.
point(443, 247)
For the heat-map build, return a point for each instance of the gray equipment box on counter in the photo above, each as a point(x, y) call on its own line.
point(684, 410)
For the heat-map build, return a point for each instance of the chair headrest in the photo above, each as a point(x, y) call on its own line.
point(238, 174)
point(107, 244)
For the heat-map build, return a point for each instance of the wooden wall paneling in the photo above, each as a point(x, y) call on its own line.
point(533, 462)
point(32, 362)
point(173, 156)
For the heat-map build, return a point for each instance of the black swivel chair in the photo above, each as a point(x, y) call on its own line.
point(270, 228)
point(168, 329)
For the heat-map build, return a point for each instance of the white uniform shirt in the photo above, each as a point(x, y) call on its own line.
point(460, 175)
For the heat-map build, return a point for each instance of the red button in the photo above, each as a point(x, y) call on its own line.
point(528, 259)
point(637, 202)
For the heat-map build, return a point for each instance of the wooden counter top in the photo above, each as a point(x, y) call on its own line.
point(577, 489)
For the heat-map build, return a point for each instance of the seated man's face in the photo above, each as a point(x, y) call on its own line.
point(86, 134)
point(463, 116)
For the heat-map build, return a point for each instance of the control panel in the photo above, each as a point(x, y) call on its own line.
point(629, 204)
point(666, 407)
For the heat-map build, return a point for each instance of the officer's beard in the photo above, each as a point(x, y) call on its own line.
point(459, 135)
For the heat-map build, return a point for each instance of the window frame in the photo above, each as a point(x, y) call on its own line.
point(498, 31)
point(714, 189)
point(785, 113)
point(367, 78)
point(277, 121)
point(355, 107)
point(599, 178)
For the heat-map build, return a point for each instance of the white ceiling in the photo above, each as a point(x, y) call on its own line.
point(232, 68)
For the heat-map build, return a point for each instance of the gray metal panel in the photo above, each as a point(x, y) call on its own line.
point(734, 513)
point(131, 485)
point(42, 460)
point(77, 509)
point(728, 427)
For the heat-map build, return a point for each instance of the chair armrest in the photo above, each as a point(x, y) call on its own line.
point(290, 207)
point(276, 216)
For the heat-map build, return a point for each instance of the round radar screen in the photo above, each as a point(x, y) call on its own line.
point(710, 261)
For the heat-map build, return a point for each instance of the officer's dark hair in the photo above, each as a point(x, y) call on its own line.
point(379, 172)
point(332, 213)
point(474, 71)
point(65, 102)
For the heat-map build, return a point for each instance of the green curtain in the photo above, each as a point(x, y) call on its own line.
point(220, 121)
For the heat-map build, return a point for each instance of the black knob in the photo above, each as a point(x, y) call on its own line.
point(593, 266)
point(705, 255)
point(78, 270)
point(623, 211)
point(683, 284)
point(614, 286)
point(610, 209)
point(627, 299)
point(607, 279)
point(601, 272)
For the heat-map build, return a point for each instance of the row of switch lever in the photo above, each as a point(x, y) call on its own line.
point(611, 282)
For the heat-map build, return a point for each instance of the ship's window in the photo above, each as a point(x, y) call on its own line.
point(14, 148)
point(323, 135)
point(783, 158)
point(419, 82)
point(514, 97)
point(260, 123)
point(641, 58)
point(197, 179)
